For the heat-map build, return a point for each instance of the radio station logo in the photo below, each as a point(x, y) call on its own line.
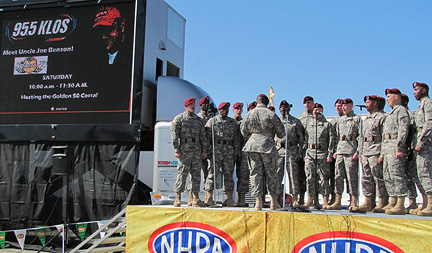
point(31, 65)
point(190, 237)
point(52, 29)
point(342, 241)
point(167, 163)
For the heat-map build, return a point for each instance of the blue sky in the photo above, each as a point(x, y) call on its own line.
point(236, 49)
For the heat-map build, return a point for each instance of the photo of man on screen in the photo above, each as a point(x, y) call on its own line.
point(110, 27)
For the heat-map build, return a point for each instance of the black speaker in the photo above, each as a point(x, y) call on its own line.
point(62, 160)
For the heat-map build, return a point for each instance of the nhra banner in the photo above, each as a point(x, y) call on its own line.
point(178, 230)
point(67, 65)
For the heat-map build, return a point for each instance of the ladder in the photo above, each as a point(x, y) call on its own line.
point(112, 240)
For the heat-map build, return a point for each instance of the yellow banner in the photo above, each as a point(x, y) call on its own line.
point(166, 229)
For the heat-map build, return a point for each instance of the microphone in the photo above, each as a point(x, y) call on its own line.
point(361, 106)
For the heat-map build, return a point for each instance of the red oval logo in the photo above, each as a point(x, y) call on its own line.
point(192, 237)
point(20, 236)
point(81, 229)
point(343, 241)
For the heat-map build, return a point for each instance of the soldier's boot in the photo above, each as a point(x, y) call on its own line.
point(177, 202)
point(258, 202)
point(189, 203)
point(380, 206)
point(428, 210)
point(399, 208)
point(337, 205)
point(391, 204)
point(309, 202)
point(412, 205)
point(241, 200)
point(196, 202)
point(353, 207)
point(423, 205)
point(228, 200)
point(325, 201)
point(373, 201)
point(301, 198)
point(295, 201)
point(274, 202)
point(332, 198)
point(367, 205)
point(209, 198)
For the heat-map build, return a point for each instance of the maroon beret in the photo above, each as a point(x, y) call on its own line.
point(307, 98)
point(371, 97)
point(262, 95)
point(423, 85)
point(189, 101)
point(203, 100)
point(347, 101)
point(405, 97)
point(271, 108)
point(381, 99)
point(238, 104)
point(251, 104)
point(393, 91)
point(338, 101)
point(223, 104)
point(316, 105)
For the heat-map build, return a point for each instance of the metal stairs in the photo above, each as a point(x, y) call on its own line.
point(112, 240)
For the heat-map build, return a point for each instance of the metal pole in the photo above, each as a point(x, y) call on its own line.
point(214, 161)
point(317, 205)
point(287, 181)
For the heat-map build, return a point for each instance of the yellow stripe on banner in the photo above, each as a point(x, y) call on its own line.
point(149, 228)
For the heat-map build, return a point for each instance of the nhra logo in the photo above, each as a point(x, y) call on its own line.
point(190, 237)
point(20, 236)
point(339, 241)
point(167, 163)
point(41, 233)
point(81, 229)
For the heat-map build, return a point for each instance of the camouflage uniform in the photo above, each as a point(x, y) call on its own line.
point(260, 126)
point(395, 132)
point(205, 162)
point(411, 164)
point(304, 118)
point(294, 140)
point(333, 162)
point(242, 170)
point(423, 119)
point(320, 140)
point(189, 139)
point(372, 177)
point(226, 146)
point(348, 132)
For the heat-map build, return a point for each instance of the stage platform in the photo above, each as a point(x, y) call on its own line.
point(188, 229)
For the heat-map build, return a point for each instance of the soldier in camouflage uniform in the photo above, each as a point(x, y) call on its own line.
point(226, 146)
point(204, 115)
point(304, 117)
point(347, 155)
point(338, 108)
point(423, 120)
point(242, 170)
point(372, 171)
point(394, 151)
point(293, 140)
point(320, 140)
point(411, 164)
point(260, 126)
point(190, 147)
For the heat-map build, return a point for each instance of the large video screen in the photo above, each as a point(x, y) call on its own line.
point(67, 65)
